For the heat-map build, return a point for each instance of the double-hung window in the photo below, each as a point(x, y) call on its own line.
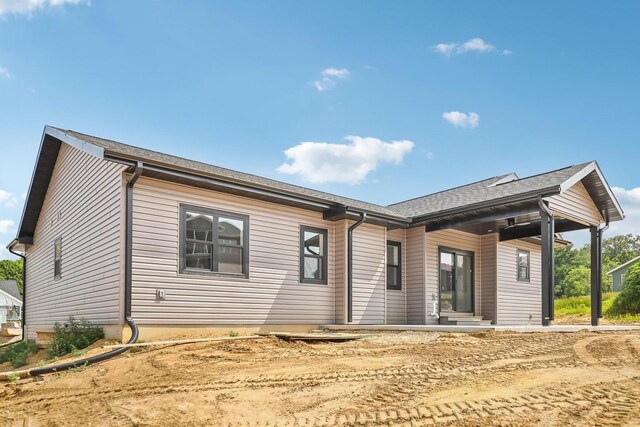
point(524, 265)
point(213, 242)
point(57, 258)
point(313, 255)
point(394, 269)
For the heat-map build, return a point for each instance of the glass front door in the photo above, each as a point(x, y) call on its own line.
point(456, 281)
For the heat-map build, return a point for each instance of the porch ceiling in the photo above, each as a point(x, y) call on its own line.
point(514, 221)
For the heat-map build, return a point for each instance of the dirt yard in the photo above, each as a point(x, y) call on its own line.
point(412, 379)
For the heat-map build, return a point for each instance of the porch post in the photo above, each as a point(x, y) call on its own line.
point(596, 275)
point(547, 234)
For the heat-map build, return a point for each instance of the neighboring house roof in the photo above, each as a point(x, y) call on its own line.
point(626, 264)
point(10, 287)
point(490, 192)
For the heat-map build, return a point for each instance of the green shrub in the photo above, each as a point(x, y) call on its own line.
point(18, 353)
point(233, 333)
point(628, 300)
point(72, 336)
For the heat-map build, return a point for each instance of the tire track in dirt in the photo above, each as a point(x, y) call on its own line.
point(423, 375)
point(616, 401)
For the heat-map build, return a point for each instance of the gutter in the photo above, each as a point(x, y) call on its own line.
point(363, 218)
point(137, 171)
point(531, 196)
point(310, 201)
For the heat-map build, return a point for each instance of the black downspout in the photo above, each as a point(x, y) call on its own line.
point(127, 290)
point(363, 217)
point(547, 225)
point(128, 266)
point(23, 309)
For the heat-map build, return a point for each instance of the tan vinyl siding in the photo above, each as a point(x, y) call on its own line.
point(518, 300)
point(83, 207)
point(369, 278)
point(396, 299)
point(577, 205)
point(488, 266)
point(271, 294)
point(341, 271)
point(452, 239)
point(415, 262)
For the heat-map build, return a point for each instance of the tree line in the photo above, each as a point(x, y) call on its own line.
point(573, 266)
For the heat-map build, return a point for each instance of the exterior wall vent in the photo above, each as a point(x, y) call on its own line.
point(507, 178)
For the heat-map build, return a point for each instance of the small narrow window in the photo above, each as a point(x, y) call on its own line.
point(213, 242)
point(524, 265)
point(57, 258)
point(313, 255)
point(394, 269)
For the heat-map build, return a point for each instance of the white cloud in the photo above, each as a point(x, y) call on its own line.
point(476, 44)
point(321, 162)
point(6, 225)
point(5, 73)
point(630, 202)
point(329, 78)
point(462, 120)
point(8, 200)
point(26, 7)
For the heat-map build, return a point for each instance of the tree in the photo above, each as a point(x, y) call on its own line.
point(620, 249)
point(577, 282)
point(616, 250)
point(12, 270)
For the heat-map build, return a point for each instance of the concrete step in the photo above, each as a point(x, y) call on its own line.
point(461, 318)
point(477, 322)
point(455, 314)
point(464, 320)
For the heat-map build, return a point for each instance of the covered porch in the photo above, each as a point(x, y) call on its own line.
point(512, 271)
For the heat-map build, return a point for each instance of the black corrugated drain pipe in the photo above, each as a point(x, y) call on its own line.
point(127, 292)
point(363, 218)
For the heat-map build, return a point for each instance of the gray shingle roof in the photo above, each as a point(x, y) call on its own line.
point(130, 151)
point(10, 287)
point(483, 191)
point(459, 197)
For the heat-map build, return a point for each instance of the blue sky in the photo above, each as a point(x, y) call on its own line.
point(409, 98)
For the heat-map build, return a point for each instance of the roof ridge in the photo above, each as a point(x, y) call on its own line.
point(550, 172)
point(448, 189)
point(260, 177)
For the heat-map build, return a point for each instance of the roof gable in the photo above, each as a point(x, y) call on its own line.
point(491, 190)
point(10, 287)
point(626, 264)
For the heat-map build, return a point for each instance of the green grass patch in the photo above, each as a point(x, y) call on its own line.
point(581, 306)
point(18, 353)
point(576, 306)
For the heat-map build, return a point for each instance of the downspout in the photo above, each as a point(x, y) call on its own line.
point(363, 218)
point(601, 231)
point(127, 290)
point(551, 279)
point(23, 309)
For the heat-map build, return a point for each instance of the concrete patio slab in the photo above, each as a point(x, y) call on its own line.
point(480, 328)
